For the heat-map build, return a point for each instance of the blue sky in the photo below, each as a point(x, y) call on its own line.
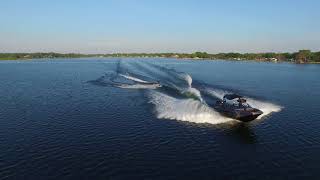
point(97, 26)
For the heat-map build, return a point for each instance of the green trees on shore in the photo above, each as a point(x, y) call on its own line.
point(303, 56)
point(12, 56)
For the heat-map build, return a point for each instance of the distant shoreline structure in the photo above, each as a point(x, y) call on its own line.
point(301, 57)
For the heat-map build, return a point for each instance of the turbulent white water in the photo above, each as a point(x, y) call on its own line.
point(266, 107)
point(138, 86)
point(133, 78)
point(190, 90)
point(179, 81)
point(168, 107)
point(190, 106)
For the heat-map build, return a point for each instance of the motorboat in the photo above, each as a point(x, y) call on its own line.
point(236, 107)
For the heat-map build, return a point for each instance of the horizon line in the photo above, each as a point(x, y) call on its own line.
point(262, 52)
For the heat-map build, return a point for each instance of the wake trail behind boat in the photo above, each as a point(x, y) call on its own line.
point(168, 107)
point(138, 86)
point(173, 95)
point(133, 78)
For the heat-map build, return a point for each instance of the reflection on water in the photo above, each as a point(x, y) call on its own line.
point(243, 132)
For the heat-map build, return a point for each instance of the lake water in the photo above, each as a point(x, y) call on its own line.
point(96, 119)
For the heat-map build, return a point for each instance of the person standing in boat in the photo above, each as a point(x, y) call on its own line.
point(241, 101)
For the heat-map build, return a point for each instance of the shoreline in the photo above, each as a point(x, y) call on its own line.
point(129, 57)
point(300, 57)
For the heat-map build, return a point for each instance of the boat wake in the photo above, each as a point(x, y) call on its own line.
point(168, 107)
point(172, 93)
point(133, 78)
point(137, 83)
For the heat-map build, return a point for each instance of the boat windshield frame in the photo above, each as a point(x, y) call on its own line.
point(236, 102)
point(232, 96)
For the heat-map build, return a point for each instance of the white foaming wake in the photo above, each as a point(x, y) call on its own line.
point(176, 80)
point(187, 78)
point(133, 78)
point(266, 107)
point(138, 86)
point(167, 107)
point(190, 90)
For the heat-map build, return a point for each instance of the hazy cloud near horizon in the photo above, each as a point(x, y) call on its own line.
point(166, 26)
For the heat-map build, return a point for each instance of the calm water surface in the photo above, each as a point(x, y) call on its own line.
point(65, 119)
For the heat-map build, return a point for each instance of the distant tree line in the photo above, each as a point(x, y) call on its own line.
point(12, 56)
point(303, 56)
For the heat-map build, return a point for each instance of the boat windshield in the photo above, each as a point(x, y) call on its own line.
point(243, 105)
point(236, 103)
